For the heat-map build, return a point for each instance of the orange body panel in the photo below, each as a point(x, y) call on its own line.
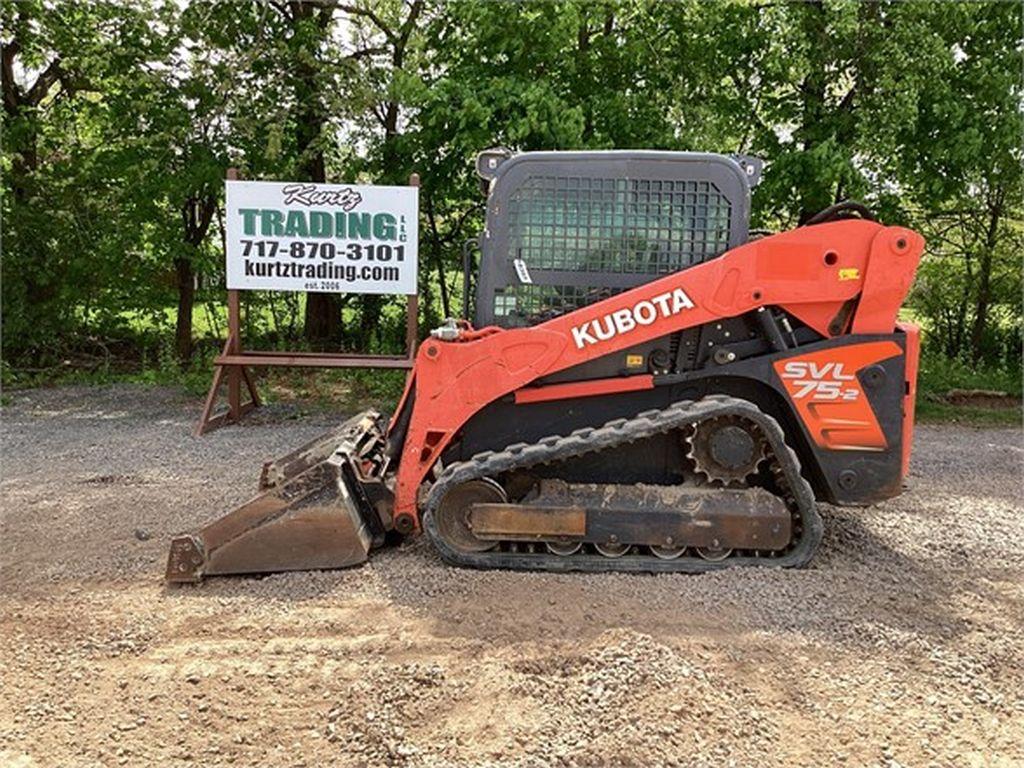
point(823, 387)
point(810, 272)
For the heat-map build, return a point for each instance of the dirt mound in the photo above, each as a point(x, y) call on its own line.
point(982, 398)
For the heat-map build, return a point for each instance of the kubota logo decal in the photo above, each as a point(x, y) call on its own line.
point(627, 319)
point(825, 381)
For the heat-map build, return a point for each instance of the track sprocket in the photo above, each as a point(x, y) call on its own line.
point(726, 449)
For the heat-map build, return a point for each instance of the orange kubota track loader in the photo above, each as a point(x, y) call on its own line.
point(648, 388)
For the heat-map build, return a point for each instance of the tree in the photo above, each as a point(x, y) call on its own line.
point(181, 139)
point(383, 68)
point(962, 159)
point(309, 26)
point(119, 121)
point(62, 238)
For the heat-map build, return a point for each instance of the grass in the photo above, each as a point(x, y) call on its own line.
point(345, 390)
point(335, 390)
point(937, 412)
point(139, 350)
point(158, 368)
point(939, 375)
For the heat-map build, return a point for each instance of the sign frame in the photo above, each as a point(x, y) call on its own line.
point(234, 361)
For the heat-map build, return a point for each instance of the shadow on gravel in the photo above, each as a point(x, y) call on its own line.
point(859, 592)
point(866, 580)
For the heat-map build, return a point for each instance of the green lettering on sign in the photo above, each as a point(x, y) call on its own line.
point(296, 225)
point(359, 226)
point(320, 224)
point(384, 226)
point(249, 220)
point(271, 223)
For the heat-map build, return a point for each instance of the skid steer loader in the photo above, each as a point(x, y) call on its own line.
point(645, 387)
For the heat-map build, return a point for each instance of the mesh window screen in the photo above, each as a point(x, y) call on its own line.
point(606, 225)
point(587, 225)
point(524, 305)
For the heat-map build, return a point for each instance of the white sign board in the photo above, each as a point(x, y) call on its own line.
point(300, 236)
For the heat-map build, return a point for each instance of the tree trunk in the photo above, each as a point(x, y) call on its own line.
point(322, 320)
point(981, 306)
point(196, 215)
point(186, 301)
point(370, 304)
point(391, 162)
point(436, 254)
point(815, 126)
point(24, 117)
point(369, 319)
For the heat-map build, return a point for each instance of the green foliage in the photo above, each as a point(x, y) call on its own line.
point(157, 366)
point(64, 189)
point(960, 160)
point(945, 297)
point(121, 119)
point(939, 411)
point(940, 375)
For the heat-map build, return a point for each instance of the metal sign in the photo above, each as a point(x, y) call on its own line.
point(329, 238)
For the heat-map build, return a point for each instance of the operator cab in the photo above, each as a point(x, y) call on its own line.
point(567, 229)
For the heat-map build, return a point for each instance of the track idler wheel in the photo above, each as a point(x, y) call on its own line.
point(713, 555)
point(667, 553)
point(453, 513)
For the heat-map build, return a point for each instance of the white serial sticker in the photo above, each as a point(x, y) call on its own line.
point(521, 271)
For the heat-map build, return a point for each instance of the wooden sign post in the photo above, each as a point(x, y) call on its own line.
point(234, 361)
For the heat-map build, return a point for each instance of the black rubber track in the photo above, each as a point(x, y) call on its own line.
point(620, 432)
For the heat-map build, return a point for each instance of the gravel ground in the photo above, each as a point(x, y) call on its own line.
point(902, 645)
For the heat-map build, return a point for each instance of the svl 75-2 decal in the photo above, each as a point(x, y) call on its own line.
point(828, 396)
point(822, 382)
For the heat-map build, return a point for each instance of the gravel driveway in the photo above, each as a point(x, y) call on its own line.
point(902, 645)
